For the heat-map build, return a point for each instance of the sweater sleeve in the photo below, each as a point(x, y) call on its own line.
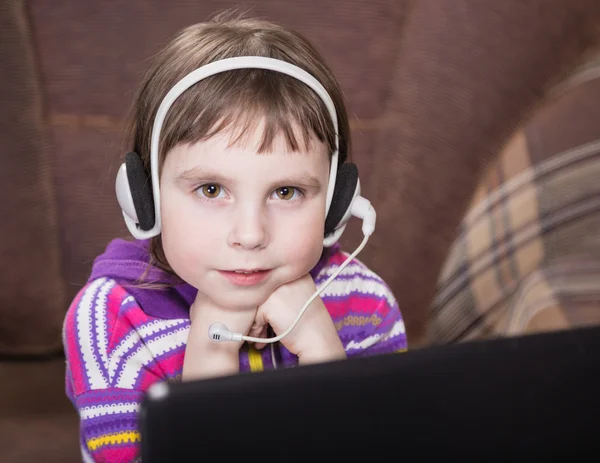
point(383, 331)
point(114, 352)
point(363, 308)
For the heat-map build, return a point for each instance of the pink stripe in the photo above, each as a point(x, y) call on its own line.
point(73, 351)
point(173, 364)
point(168, 367)
point(148, 376)
point(136, 317)
point(355, 304)
point(339, 258)
point(125, 452)
point(124, 324)
point(119, 332)
point(113, 306)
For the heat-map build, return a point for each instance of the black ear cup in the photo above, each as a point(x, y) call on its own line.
point(141, 191)
point(345, 186)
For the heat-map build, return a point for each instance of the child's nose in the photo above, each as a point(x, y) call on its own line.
point(249, 230)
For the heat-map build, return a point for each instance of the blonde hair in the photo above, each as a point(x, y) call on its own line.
point(215, 104)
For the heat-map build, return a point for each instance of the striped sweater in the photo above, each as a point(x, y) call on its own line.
point(119, 339)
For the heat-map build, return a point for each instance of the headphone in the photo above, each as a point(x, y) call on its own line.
point(140, 202)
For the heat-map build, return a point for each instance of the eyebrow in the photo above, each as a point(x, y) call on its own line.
point(302, 180)
point(196, 174)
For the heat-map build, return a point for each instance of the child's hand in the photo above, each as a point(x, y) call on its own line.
point(314, 338)
point(205, 312)
point(204, 357)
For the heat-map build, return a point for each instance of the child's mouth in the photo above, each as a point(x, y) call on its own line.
point(245, 277)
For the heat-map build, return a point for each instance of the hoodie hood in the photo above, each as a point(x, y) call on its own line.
point(126, 261)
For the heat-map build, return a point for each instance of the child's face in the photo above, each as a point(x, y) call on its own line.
point(229, 208)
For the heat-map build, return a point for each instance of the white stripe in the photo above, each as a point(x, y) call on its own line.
point(113, 409)
point(358, 285)
point(147, 352)
point(100, 314)
point(86, 336)
point(351, 269)
point(130, 340)
point(85, 456)
point(396, 330)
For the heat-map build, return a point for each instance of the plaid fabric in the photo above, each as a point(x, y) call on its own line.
point(527, 255)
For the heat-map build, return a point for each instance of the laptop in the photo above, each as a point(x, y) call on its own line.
point(521, 398)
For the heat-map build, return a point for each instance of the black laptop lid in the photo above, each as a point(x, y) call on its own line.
point(506, 399)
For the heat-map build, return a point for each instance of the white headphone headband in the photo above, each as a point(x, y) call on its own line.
point(216, 67)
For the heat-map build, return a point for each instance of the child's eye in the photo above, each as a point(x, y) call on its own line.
point(210, 190)
point(287, 192)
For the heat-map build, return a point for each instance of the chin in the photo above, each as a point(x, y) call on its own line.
point(240, 300)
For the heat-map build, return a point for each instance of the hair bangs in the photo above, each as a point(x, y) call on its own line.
point(240, 102)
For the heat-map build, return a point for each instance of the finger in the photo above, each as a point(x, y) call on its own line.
point(256, 329)
point(262, 334)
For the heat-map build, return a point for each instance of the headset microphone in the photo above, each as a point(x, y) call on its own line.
point(361, 208)
point(219, 332)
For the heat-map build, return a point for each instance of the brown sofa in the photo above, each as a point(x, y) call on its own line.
point(423, 81)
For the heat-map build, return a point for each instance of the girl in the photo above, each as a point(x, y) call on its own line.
point(243, 161)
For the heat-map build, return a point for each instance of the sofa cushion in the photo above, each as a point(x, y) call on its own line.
point(527, 255)
point(32, 302)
